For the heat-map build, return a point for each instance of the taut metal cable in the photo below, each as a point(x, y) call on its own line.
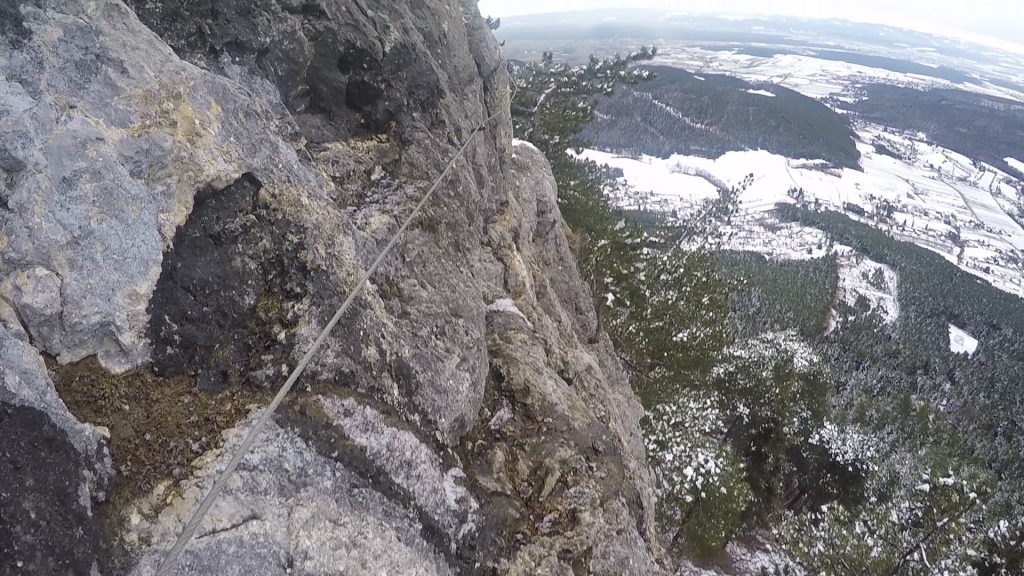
point(171, 558)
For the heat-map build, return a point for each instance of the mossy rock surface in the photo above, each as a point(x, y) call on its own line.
point(158, 426)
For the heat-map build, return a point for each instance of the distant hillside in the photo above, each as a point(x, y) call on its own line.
point(870, 60)
point(984, 128)
point(709, 115)
point(932, 290)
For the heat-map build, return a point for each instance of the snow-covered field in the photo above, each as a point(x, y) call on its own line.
point(932, 197)
point(1016, 164)
point(960, 342)
point(814, 77)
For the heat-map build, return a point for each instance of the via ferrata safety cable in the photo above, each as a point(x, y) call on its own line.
point(171, 557)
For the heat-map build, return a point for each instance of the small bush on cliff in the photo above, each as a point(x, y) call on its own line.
point(553, 103)
point(664, 305)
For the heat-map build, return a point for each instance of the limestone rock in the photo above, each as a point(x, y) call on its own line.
point(195, 187)
point(290, 510)
point(111, 135)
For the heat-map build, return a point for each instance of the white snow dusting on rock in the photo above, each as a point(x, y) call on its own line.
point(517, 142)
point(508, 306)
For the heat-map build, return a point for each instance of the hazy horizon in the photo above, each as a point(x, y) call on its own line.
point(995, 23)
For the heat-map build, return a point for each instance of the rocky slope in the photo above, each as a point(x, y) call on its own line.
point(187, 190)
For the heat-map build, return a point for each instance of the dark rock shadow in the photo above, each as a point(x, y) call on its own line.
point(229, 291)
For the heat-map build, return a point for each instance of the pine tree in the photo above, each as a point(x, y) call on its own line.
point(554, 101)
point(655, 283)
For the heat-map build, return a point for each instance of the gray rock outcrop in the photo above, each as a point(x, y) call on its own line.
point(193, 187)
point(290, 510)
point(52, 468)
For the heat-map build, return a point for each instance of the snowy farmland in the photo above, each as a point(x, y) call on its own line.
point(811, 76)
point(930, 196)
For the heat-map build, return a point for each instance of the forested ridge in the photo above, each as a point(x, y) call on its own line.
point(984, 128)
point(678, 112)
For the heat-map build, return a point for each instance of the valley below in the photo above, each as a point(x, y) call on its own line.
point(859, 190)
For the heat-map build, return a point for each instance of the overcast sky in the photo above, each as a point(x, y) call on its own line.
point(977, 20)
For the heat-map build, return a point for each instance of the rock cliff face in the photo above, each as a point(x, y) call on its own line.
point(187, 191)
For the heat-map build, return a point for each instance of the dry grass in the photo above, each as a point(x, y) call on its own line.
point(158, 426)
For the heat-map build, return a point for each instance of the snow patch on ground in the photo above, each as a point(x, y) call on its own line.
point(516, 142)
point(761, 560)
point(659, 186)
point(1015, 164)
point(762, 93)
point(861, 278)
point(960, 342)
